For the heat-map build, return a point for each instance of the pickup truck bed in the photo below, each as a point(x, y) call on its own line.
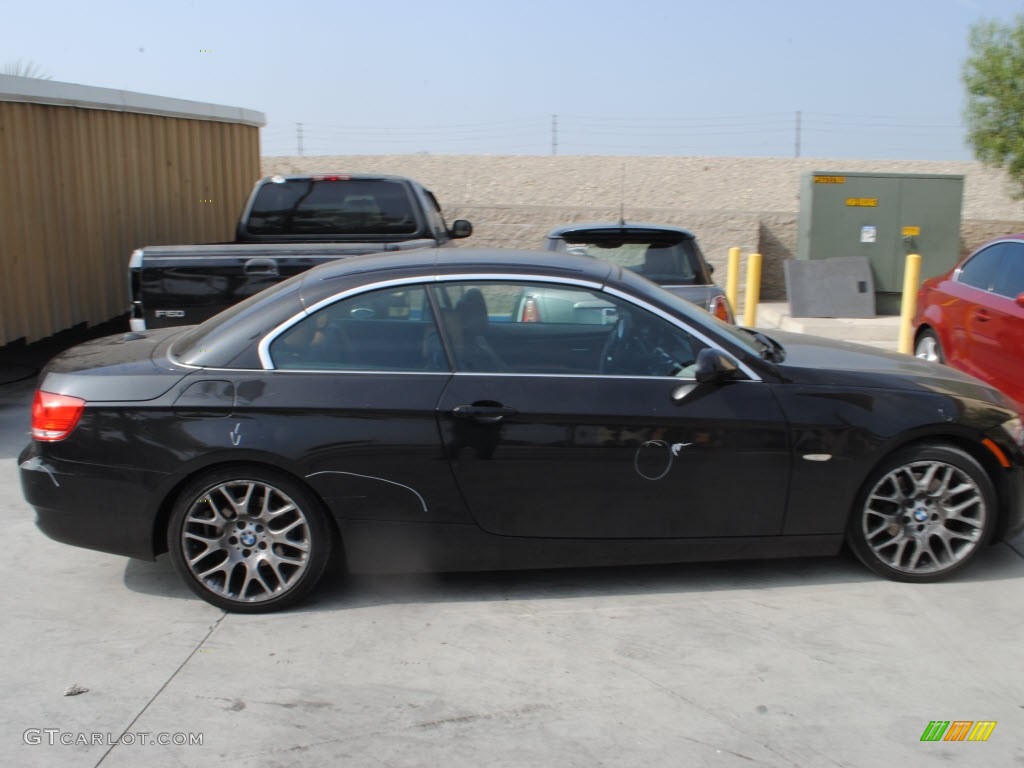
point(186, 284)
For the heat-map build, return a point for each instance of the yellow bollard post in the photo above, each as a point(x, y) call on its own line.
point(753, 294)
point(911, 278)
point(732, 278)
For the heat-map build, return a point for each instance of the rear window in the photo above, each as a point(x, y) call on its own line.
point(332, 207)
point(199, 345)
point(667, 258)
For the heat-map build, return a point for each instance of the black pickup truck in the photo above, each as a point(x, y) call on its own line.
point(290, 223)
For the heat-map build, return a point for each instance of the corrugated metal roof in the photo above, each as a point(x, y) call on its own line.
point(34, 91)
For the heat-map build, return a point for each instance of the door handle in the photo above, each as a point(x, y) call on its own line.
point(981, 316)
point(485, 414)
point(266, 267)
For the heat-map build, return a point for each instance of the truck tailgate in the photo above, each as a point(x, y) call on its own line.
point(186, 284)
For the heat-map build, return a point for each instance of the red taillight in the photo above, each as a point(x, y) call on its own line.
point(323, 177)
point(720, 308)
point(531, 312)
point(55, 416)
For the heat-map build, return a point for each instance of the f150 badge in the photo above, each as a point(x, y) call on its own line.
point(170, 313)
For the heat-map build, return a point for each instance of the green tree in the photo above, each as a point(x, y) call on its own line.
point(26, 69)
point(994, 76)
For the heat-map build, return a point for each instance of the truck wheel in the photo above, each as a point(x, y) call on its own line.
point(249, 539)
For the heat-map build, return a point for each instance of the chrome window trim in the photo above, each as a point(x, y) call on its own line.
point(264, 345)
point(503, 374)
point(337, 371)
point(266, 341)
point(604, 376)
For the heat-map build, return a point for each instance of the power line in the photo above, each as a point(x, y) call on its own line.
point(829, 134)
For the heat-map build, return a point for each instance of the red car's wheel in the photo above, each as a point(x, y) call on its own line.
point(928, 347)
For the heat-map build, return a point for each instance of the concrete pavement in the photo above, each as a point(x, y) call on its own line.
point(882, 332)
point(779, 663)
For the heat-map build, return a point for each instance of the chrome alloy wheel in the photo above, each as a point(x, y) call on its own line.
point(924, 517)
point(246, 541)
point(928, 349)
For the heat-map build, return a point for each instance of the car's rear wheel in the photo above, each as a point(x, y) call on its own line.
point(923, 514)
point(249, 539)
point(928, 347)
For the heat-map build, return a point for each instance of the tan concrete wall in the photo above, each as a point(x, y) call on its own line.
point(727, 201)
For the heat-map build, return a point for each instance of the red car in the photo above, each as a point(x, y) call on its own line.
point(972, 318)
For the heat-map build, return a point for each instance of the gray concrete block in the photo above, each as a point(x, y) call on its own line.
point(837, 287)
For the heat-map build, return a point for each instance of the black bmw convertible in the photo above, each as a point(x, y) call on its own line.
point(405, 412)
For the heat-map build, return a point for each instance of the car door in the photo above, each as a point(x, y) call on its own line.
point(592, 426)
point(1003, 361)
point(351, 399)
point(971, 346)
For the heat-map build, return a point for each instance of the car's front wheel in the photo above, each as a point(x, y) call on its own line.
point(249, 539)
point(923, 514)
point(928, 347)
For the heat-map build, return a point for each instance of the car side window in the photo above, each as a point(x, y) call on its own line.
point(1010, 280)
point(549, 328)
point(981, 269)
point(385, 330)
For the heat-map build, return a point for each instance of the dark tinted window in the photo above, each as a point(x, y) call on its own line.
point(547, 328)
point(980, 271)
point(663, 257)
point(433, 211)
point(325, 207)
point(1010, 282)
point(387, 330)
point(217, 341)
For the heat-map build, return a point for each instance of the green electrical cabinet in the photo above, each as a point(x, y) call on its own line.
point(882, 216)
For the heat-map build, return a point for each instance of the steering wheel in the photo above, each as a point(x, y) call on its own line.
point(618, 344)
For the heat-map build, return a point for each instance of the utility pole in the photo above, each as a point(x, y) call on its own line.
point(554, 134)
point(796, 146)
point(298, 136)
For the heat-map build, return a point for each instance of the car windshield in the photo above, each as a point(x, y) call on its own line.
point(666, 257)
point(332, 206)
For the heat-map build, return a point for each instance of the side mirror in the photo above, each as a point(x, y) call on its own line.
point(460, 229)
point(1020, 299)
point(711, 269)
point(714, 366)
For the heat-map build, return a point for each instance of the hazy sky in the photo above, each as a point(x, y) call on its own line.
point(872, 78)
